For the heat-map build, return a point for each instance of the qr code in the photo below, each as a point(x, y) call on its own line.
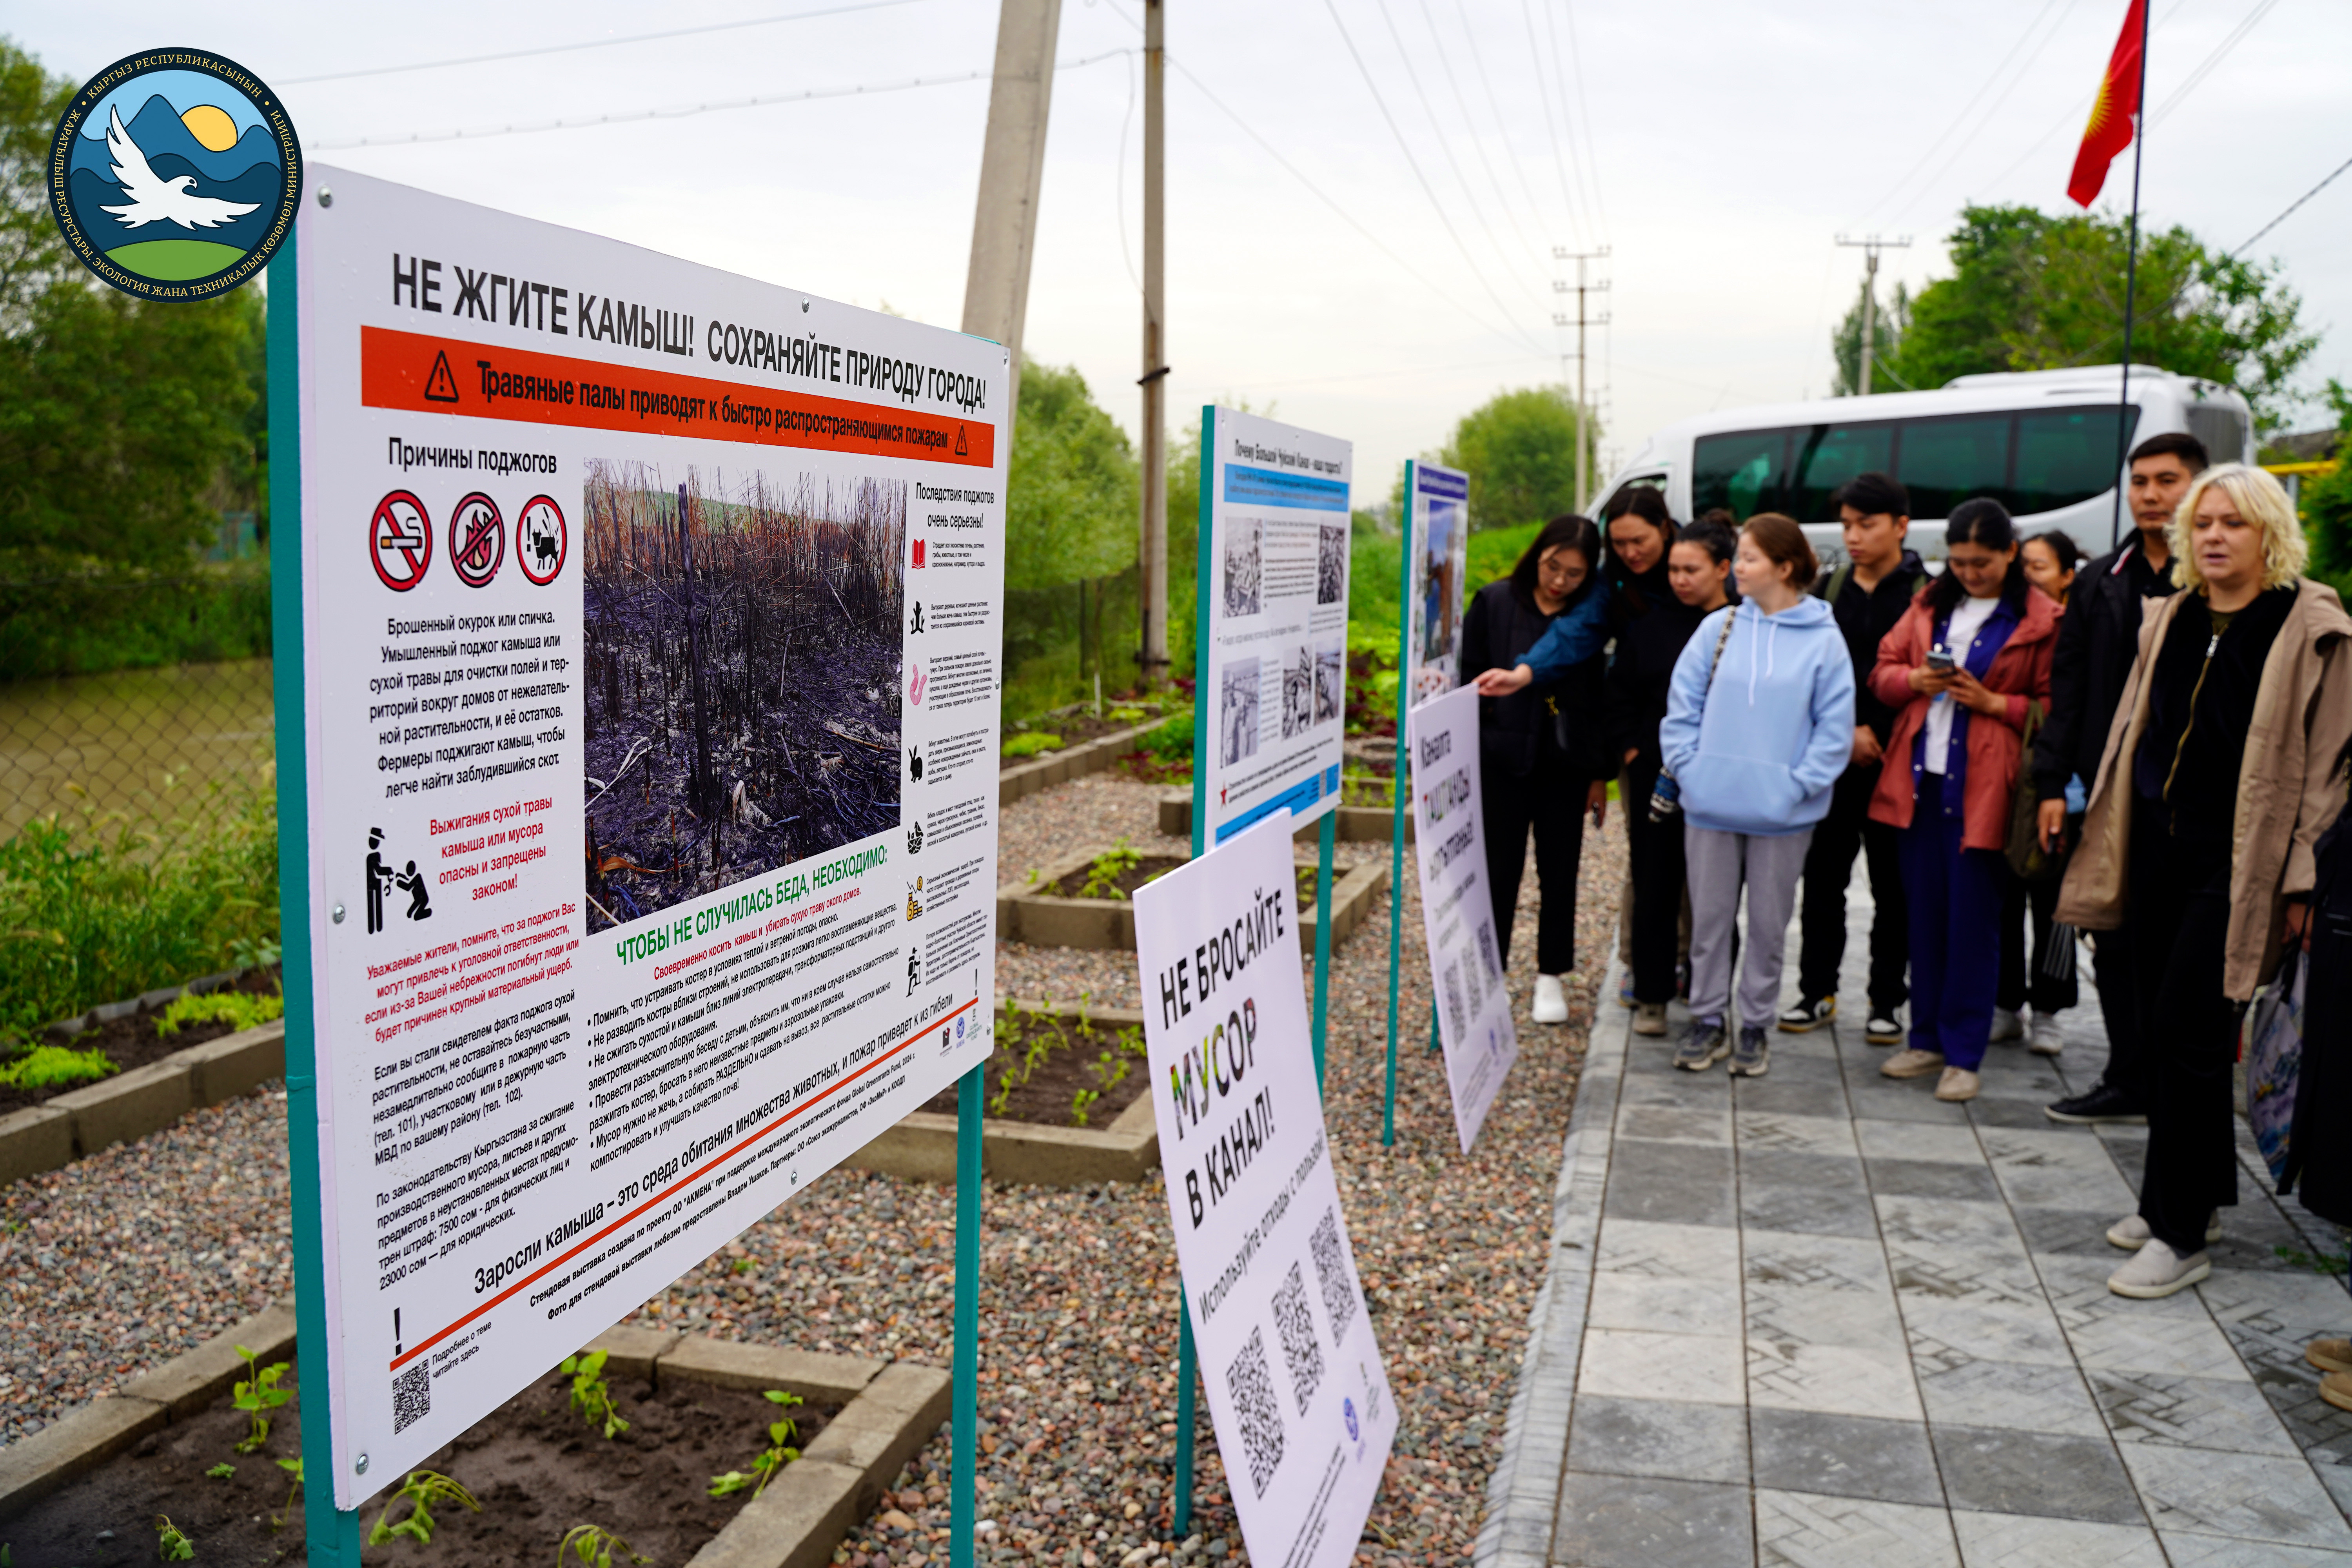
point(1455, 1012)
point(1486, 951)
point(1294, 1322)
point(1251, 1383)
point(412, 1395)
point(1474, 994)
point(1331, 1271)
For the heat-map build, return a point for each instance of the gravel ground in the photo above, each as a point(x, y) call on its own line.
point(1078, 1311)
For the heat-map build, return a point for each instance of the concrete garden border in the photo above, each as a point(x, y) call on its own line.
point(130, 1105)
point(889, 1410)
point(1357, 824)
point(922, 1147)
point(1045, 920)
point(1070, 762)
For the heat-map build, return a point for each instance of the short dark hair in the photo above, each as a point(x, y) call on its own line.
point(1721, 516)
point(2174, 444)
point(1979, 519)
point(1782, 539)
point(1581, 534)
point(2061, 545)
point(1717, 537)
point(1874, 494)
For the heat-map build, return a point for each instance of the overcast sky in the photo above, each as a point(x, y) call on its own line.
point(1716, 146)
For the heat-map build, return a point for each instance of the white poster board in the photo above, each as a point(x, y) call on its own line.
point(651, 621)
point(1301, 1403)
point(1457, 911)
point(1440, 499)
point(1274, 576)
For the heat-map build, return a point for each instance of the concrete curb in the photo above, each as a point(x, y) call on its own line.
point(130, 1105)
point(1357, 824)
point(1108, 924)
point(923, 1147)
point(1071, 763)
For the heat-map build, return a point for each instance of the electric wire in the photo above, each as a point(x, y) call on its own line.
point(1584, 113)
point(2205, 68)
point(1494, 101)
point(2282, 217)
point(1975, 98)
point(1479, 145)
point(1578, 229)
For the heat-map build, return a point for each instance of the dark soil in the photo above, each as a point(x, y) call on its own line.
point(1148, 868)
point(1076, 729)
point(130, 1041)
point(536, 1468)
point(1069, 1058)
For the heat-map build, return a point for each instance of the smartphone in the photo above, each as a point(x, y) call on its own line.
point(1941, 660)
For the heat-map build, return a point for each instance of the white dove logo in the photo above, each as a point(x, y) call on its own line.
point(154, 199)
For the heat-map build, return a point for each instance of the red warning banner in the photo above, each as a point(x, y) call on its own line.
point(417, 373)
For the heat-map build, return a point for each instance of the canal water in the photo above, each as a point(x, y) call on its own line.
point(151, 746)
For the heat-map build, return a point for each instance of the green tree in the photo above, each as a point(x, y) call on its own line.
point(1519, 450)
point(1072, 501)
point(2030, 291)
point(1892, 317)
point(2327, 502)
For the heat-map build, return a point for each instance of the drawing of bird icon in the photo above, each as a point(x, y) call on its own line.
point(154, 199)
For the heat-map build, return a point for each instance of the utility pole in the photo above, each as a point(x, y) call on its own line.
point(1152, 558)
point(1582, 320)
point(1870, 246)
point(1012, 168)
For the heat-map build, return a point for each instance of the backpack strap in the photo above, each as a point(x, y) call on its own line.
point(1836, 584)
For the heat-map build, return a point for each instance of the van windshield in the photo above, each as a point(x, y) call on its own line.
point(2030, 460)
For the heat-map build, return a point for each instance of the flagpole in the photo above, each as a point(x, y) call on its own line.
point(2131, 281)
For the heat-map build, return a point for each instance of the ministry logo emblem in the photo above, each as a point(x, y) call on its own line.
point(175, 175)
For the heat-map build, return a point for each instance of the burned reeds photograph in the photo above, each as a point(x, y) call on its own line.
point(741, 663)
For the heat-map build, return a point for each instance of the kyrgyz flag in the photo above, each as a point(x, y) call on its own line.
point(2110, 130)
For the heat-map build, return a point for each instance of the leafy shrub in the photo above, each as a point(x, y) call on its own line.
point(54, 1067)
point(238, 1009)
point(1029, 745)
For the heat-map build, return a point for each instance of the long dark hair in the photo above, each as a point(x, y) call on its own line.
point(1648, 503)
point(1979, 520)
point(1581, 534)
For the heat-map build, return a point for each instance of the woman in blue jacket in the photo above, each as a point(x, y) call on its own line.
point(1760, 724)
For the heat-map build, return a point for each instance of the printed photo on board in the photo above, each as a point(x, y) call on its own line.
point(1297, 690)
point(1332, 564)
point(1331, 680)
point(741, 659)
point(1237, 712)
point(1245, 558)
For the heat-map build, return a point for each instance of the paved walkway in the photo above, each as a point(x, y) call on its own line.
point(1820, 1318)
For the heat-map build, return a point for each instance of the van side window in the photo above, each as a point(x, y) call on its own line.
point(1945, 461)
point(1742, 471)
point(2065, 455)
point(1832, 454)
point(2223, 429)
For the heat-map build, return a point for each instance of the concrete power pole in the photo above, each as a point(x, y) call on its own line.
point(1582, 320)
point(1153, 557)
point(1011, 167)
point(1870, 246)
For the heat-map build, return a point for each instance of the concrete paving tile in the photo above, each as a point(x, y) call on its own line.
point(1703, 1369)
point(1914, 1141)
point(1676, 1124)
point(1991, 1111)
point(2011, 1395)
point(1670, 1306)
point(2336, 1477)
point(1674, 1184)
point(1815, 1211)
point(2013, 1541)
point(1932, 1179)
point(1782, 1094)
point(1850, 1263)
point(1986, 1226)
point(2190, 1412)
point(1946, 1332)
point(2114, 1333)
point(1616, 1521)
point(2048, 1145)
point(2059, 1187)
point(1882, 1099)
point(1823, 1315)
point(1660, 1438)
point(2080, 1231)
point(1796, 1059)
point(1655, 1089)
point(1992, 1470)
point(1787, 1168)
point(2189, 1551)
point(1955, 1273)
point(1669, 1251)
point(2252, 1497)
point(1838, 1380)
point(1844, 1456)
point(1807, 1135)
point(1814, 1531)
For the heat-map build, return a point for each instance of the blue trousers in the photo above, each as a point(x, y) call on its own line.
point(1954, 898)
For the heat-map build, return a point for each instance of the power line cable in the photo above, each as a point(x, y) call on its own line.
point(2205, 66)
point(1493, 103)
point(589, 44)
point(2290, 210)
point(1584, 113)
point(1477, 144)
point(1966, 109)
point(2073, 116)
point(1991, 112)
point(1559, 157)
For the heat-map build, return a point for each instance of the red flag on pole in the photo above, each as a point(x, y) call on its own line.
point(2110, 130)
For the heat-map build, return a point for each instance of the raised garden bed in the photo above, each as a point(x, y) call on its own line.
point(1047, 1058)
point(1357, 824)
point(1041, 911)
point(1022, 777)
point(1073, 729)
point(125, 1033)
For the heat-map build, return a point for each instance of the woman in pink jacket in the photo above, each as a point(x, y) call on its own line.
point(1953, 762)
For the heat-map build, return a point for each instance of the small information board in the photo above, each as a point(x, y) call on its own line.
point(1440, 563)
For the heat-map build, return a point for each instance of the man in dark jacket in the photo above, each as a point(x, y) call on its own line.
point(2097, 641)
point(1868, 595)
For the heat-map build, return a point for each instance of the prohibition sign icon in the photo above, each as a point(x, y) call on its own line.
point(477, 540)
point(400, 541)
point(541, 542)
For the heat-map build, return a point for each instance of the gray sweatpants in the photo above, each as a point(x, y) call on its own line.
point(1719, 863)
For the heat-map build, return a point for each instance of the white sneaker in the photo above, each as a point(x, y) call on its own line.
point(2006, 1026)
point(2131, 1232)
point(2157, 1271)
point(2045, 1040)
point(1551, 1000)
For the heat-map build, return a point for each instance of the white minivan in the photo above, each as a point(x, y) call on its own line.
point(2043, 443)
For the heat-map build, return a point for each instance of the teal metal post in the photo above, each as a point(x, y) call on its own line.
point(1399, 795)
point(333, 1535)
point(1204, 553)
point(1324, 837)
point(964, 1498)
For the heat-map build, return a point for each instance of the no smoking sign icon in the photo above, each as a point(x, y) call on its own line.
point(400, 541)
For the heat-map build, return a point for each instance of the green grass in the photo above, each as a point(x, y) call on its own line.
point(54, 1067)
point(97, 909)
point(175, 260)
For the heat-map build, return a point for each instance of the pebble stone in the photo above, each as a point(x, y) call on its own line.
point(1079, 1301)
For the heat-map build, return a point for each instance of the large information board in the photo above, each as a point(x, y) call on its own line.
point(1440, 499)
point(651, 620)
point(1274, 581)
point(1301, 1401)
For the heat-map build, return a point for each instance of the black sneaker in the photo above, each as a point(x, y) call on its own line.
point(2101, 1104)
point(1704, 1045)
point(1807, 1017)
point(1882, 1028)
point(1752, 1054)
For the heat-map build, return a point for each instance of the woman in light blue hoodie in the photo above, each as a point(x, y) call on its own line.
point(1760, 724)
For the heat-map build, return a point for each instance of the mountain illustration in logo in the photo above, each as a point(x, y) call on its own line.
point(175, 195)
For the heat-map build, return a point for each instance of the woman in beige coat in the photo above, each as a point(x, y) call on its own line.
point(2220, 773)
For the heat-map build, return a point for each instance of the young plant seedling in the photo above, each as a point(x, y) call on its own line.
point(259, 1395)
point(778, 1454)
point(591, 1399)
point(422, 1489)
point(171, 1543)
point(292, 1468)
point(594, 1547)
point(1103, 875)
point(222, 1470)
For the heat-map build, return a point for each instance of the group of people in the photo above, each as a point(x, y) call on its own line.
point(2146, 747)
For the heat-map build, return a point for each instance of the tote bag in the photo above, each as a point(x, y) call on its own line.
point(2274, 1047)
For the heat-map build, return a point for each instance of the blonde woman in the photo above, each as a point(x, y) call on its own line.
point(2218, 775)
